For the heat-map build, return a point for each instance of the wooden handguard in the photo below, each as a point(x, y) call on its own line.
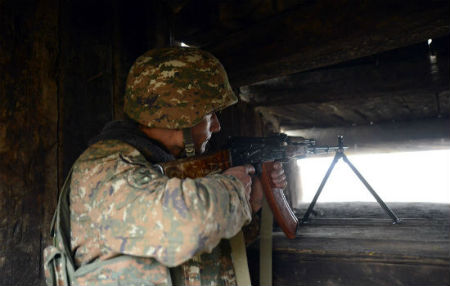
point(281, 210)
point(200, 166)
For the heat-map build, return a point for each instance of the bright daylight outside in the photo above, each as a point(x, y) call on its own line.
point(421, 176)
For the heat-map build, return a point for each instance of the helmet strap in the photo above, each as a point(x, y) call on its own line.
point(189, 148)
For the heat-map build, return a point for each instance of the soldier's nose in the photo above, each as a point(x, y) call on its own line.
point(215, 124)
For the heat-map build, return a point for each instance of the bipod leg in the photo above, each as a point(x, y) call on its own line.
point(322, 184)
point(393, 216)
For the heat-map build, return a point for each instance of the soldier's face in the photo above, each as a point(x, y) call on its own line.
point(201, 133)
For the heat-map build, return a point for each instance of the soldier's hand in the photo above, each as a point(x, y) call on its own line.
point(278, 177)
point(242, 173)
point(278, 180)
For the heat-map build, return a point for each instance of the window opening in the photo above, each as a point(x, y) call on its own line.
point(421, 176)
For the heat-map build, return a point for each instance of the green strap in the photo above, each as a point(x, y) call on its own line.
point(60, 228)
point(189, 147)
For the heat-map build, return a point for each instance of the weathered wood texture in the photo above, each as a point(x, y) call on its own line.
point(137, 27)
point(354, 244)
point(86, 73)
point(418, 69)
point(354, 112)
point(99, 42)
point(401, 85)
point(313, 34)
point(28, 135)
point(204, 22)
point(63, 66)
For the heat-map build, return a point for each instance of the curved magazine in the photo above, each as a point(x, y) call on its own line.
point(281, 210)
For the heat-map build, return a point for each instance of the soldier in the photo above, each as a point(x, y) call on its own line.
point(132, 225)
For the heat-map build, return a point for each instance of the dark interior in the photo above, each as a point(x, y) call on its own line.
point(376, 72)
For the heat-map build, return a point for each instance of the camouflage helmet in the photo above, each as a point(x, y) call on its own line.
point(176, 87)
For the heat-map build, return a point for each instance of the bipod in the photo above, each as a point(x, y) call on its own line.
point(341, 155)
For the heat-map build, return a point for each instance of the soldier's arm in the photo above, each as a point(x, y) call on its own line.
point(171, 220)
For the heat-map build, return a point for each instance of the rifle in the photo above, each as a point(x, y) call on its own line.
point(261, 152)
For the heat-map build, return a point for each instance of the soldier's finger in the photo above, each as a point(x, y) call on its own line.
point(279, 179)
point(277, 165)
point(240, 173)
point(279, 182)
point(281, 185)
point(277, 173)
point(249, 169)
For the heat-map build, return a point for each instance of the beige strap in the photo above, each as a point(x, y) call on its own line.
point(239, 257)
point(265, 246)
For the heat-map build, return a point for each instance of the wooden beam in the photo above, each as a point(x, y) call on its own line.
point(360, 111)
point(406, 71)
point(322, 33)
point(347, 249)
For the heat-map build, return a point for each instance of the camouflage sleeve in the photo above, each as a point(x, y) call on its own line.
point(147, 214)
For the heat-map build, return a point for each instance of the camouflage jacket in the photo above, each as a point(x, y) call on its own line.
point(140, 223)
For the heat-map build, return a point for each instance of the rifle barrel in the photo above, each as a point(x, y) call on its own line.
point(323, 149)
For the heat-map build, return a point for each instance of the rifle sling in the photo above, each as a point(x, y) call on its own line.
point(265, 245)
point(239, 257)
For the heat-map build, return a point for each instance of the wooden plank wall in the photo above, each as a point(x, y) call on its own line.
point(99, 42)
point(63, 65)
point(28, 135)
point(355, 243)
